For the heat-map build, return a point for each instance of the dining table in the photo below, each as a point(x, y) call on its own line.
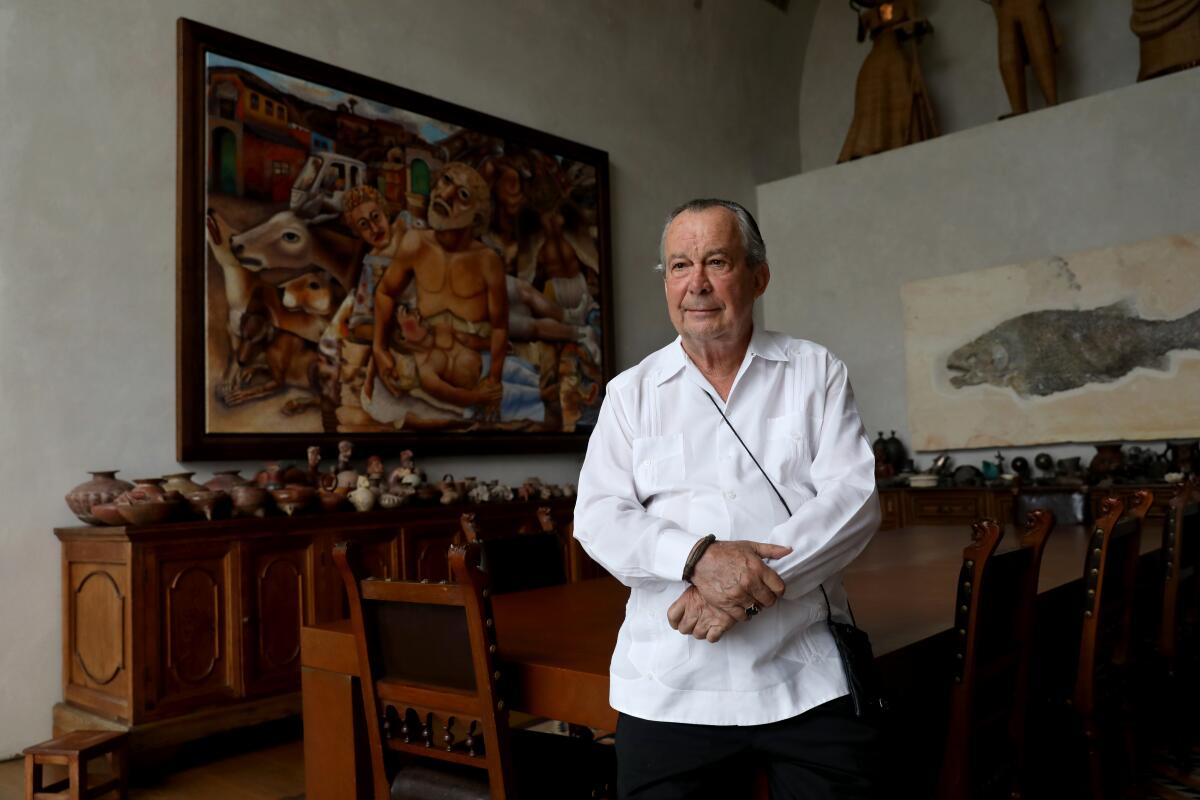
point(556, 641)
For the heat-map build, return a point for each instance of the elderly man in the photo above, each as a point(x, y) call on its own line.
point(728, 483)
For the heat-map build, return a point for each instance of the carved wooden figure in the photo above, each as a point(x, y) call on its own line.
point(1169, 31)
point(1026, 36)
point(891, 103)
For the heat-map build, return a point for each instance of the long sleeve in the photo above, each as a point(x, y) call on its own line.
point(830, 530)
point(610, 520)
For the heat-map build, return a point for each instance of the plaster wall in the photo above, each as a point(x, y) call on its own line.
point(1112, 169)
point(960, 63)
point(87, 226)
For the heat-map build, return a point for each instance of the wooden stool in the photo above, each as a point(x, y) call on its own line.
point(75, 750)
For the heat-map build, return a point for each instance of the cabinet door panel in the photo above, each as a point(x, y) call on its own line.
point(277, 578)
point(192, 620)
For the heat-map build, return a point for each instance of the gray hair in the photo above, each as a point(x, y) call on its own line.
point(752, 241)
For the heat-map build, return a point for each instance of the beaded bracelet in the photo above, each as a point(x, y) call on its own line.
point(697, 553)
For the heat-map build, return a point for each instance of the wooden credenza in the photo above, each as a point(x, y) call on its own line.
point(177, 631)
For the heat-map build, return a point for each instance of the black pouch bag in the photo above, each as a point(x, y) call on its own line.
point(858, 664)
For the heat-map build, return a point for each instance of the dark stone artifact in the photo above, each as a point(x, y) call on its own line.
point(104, 487)
point(1107, 461)
point(1044, 463)
point(1182, 456)
point(1169, 31)
point(967, 475)
point(1044, 352)
point(1020, 467)
point(896, 452)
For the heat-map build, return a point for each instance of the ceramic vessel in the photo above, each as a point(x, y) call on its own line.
point(208, 503)
point(293, 498)
point(144, 489)
point(148, 512)
point(331, 501)
point(104, 487)
point(388, 500)
point(362, 497)
point(108, 514)
point(180, 482)
point(224, 480)
point(248, 500)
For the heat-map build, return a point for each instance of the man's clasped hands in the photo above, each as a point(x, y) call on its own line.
point(729, 578)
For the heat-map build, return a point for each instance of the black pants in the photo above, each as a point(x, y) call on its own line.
point(825, 752)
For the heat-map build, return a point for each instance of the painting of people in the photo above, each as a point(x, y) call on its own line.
point(388, 266)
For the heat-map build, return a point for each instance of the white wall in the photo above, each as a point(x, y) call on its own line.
point(1115, 168)
point(960, 63)
point(687, 100)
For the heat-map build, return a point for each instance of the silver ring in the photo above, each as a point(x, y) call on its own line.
point(752, 609)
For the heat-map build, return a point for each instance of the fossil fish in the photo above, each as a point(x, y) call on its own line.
point(1044, 352)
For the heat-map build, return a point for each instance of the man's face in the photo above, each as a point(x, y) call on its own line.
point(369, 221)
point(709, 286)
point(456, 198)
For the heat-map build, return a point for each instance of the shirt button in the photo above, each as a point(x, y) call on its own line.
point(730, 495)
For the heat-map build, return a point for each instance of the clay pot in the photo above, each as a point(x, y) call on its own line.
point(180, 482)
point(387, 500)
point(271, 477)
point(248, 500)
point(209, 504)
point(148, 512)
point(293, 498)
point(104, 487)
point(144, 489)
point(332, 501)
point(224, 480)
point(108, 514)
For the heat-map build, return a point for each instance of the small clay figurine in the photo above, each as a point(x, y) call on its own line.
point(450, 493)
point(375, 474)
point(314, 463)
point(362, 497)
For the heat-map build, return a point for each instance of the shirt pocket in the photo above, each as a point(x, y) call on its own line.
point(786, 453)
point(658, 463)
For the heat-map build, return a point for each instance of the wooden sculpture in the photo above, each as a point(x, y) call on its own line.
point(891, 103)
point(1026, 36)
point(1170, 34)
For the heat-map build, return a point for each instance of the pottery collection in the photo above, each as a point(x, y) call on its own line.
point(281, 488)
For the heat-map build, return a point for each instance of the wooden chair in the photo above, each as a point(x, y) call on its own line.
point(431, 689)
point(74, 750)
point(1177, 646)
point(994, 619)
point(518, 561)
point(1102, 695)
point(580, 565)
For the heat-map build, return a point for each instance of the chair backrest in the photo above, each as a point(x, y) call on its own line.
point(1181, 562)
point(427, 666)
point(1109, 580)
point(994, 620)
point(517, 561)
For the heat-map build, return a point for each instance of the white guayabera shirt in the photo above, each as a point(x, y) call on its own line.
point(663, 470)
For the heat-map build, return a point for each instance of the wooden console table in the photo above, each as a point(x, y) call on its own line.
point(182, 630)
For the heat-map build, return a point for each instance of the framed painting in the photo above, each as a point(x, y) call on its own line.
point(360, 261)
